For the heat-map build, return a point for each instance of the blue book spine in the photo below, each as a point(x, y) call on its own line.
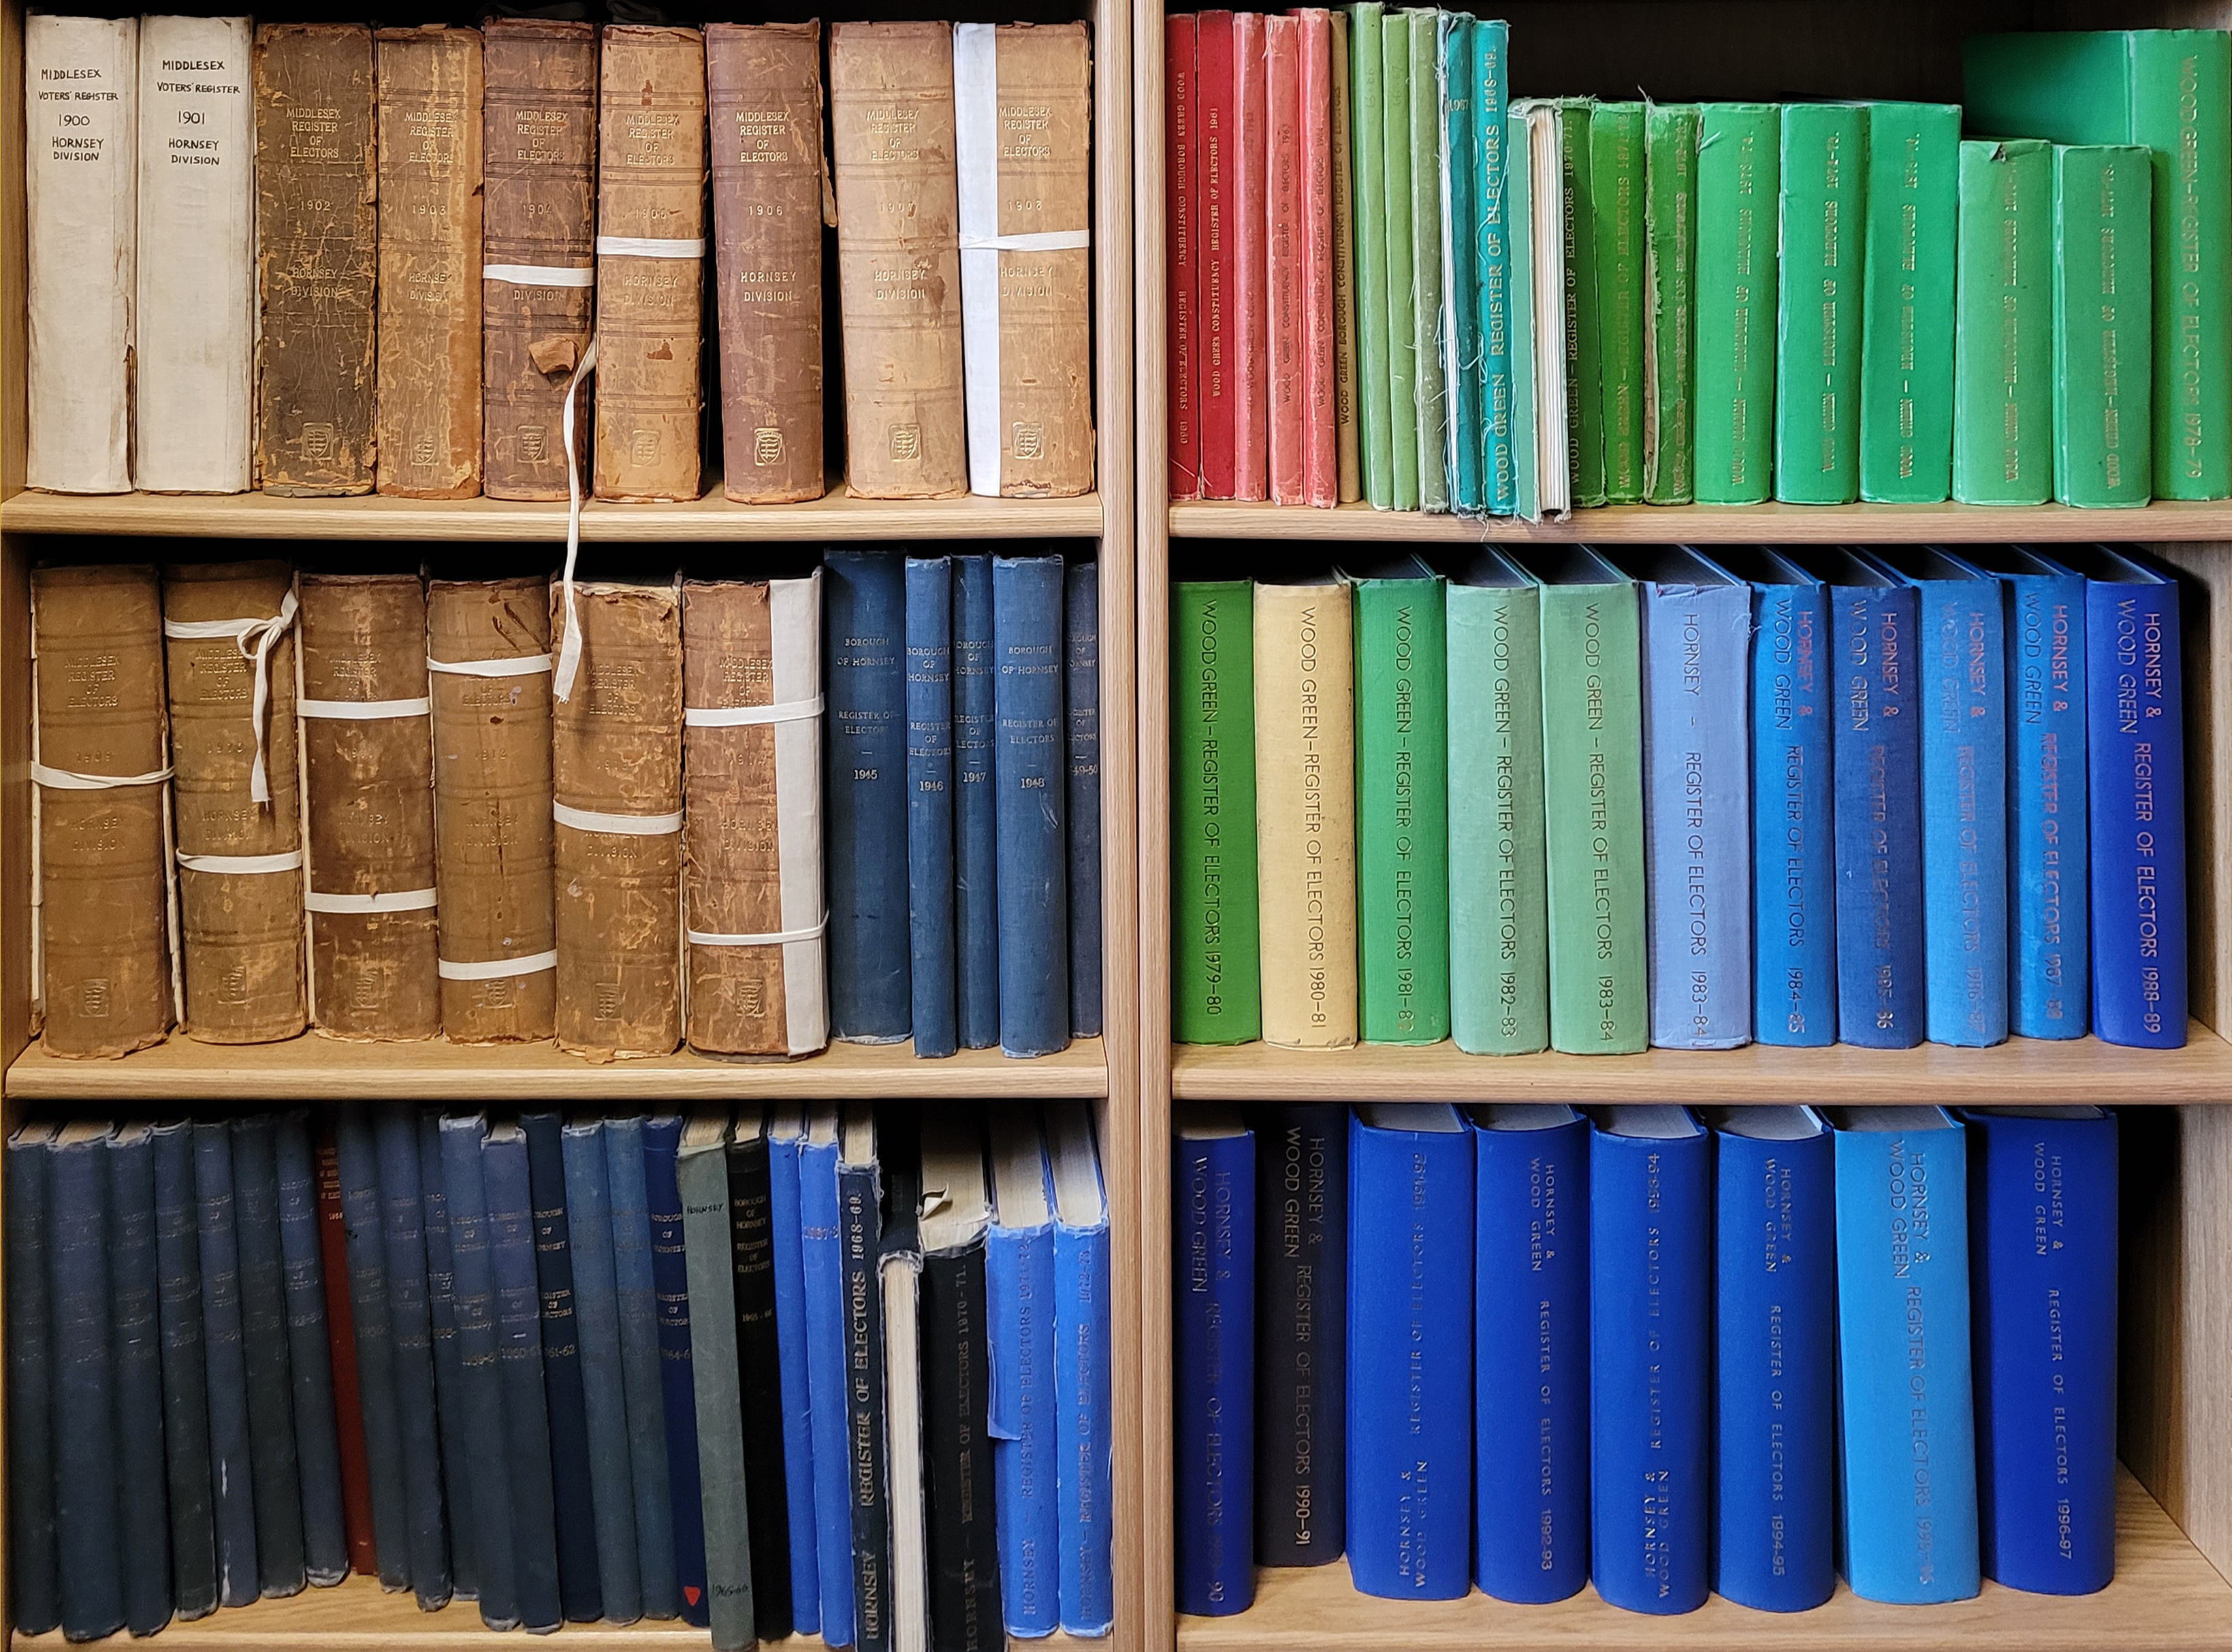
point(1650, 1224)
point(442, 1322)
point(662, 1138)
point(185, 1377)
point(363, 1236)
point(1032, 790)
point(231, 1452)
point(1019, 1291)
point(1531, 1393)
point(1085, 1414)
point(1410, 1203)
point(604, 1388)
point(1698, 812)
point(1492, 269)
point(791, 1335)
point(142, 1509)
point(1081, 623)
point(2049, 955)
point(570, 1482)
point(309, 1355)
point(640, 1367)
point(272, 1459)
point(822, 1264)
point(1964, 810)
point(85, 1422)
point(1909, 1480)
point(482, 1421)
point(930, 802)
point(976, 890)
point(1794, 849)
point(2135, 729)
point(519, 1369)
point(864, 627)
point(1877, 758)
point(1302, 1335)
point(2042, 1231)
point(34, 1584)
point(1775, 1514)
point(1214, 1400)
point(396, 1131)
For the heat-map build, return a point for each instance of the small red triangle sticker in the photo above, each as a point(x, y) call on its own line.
point(689, 1594)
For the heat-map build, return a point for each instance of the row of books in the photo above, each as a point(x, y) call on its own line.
point(1590, 801)
point(323, 258)
point(741, 1373)
point(1390, 281)
point(513, 810)
point(1525, 1349)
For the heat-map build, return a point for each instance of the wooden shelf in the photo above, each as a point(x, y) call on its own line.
point(182, 1069)
point(2022, 1070)
point(2164, 1594)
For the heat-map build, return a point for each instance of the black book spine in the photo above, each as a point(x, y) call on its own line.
point(273, 1459)
point(34, 1587)
point(231, 1450)
point(449, 1366)
point(185, 1375)
point(860, 1236)
point(85, 1395)
point(580, 1595)
point(956, 1448)
point(1302, 1320)
point(396, 1135)
point(143, 1511)
point(310, 1355)
point(364, 1233)
point(517, 1303)
point(751, 1250)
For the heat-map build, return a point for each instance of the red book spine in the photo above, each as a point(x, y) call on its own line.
point(1213, 224)
point(1251, 322)
point(1285, 273)
point(1320, 419)
point(340, 1334)
point(1181, 141)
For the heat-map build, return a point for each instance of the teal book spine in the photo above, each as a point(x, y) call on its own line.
point(1739, 173)
point(1492, 261)
point(2003, 341)
point(1402, 281)
point(1463, 365)
point(1906, 350)
point(1817, 422)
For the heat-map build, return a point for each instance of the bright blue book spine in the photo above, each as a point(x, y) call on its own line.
point(604, 1388)
point(185, 1377)
point(2049, 953)
point(1794, 849)
point(1909, 1479)
point(930, 802)
point(449, 1373)
point(519, 1368)
point(1019, 1298)
point(1463, 364)
point(271, 1457)
point(864, 643)
point(570, 1484)
point(1214, 1400)
point(472, 1301)
point(310, 1355)
point(396, 1131)
point(662, 1138)
point(975, 809)
point(790, 1333)
point(1775, 1429)
point(640, 1367)
point(1084, 1415)
point(142, 1510)
point(85, 1422)
point(1650, 1224)
point(34, 1584)
point(2043, 1234)
point(1082, 690)
point(1411, 1202)
point(1032, 786)
point(231, 1450)
point(1878, 758)
point(821, 1264)
point(1492, 267)
point(1531, 1393)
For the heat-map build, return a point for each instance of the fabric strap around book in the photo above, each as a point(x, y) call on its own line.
point(772, 937)
point(364, 711)
point(569, 645)
point(70, 780)
point(591, 820)
point(242, 865)
point(525, 665)
point(255, 639)
point(496, 969)
point(386, 901)
point(794, 711)
point(539, 275)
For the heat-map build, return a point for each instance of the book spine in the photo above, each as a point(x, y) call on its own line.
point(859, 1239)
point(230, 1426)
point(1817, 450)
point(89, 1561)
point(564, 1399)
point(759, 1367)
point(1402, 813)
point(516, 1308)
point(1019, 1292)
point(449, 1375)
point(185, 1384)
point(1492, 263)
point(702, 1177)
point(1213, 1193)
point(1964, 810)
point(2003, 354)
point(1216, 991)
point(1346, 384)
point(671, 1280)
point(930, 804)
point(411, 1350)
point(1249, 329)
point(1907, 325)
point(1616, 158)
point(1463, 366)
point(273, 1465)
point(1081, 693)
point(956, 1450)
point(1325, 394)
point(33, 1579)
point(1367, 107)
point(1585, 431)
point(375, 1357)
point(136, 1347)
point(482, 1419)
point(637, 1300)
point(2102, 306)
point(1182, 232)
point(1030, 769)
point(1739, 186)
point(864, 640)
point(341, 1347)
point(2048, 948)
point(604, 1383)
point(1877, 813)
point(1301, 1259)
point(799, 1476)
point(821, 1268)
point(1397, 162)
point(1669, 303)
point(1794, 847)
point(1520, 234)
point(1429, 386)
point(309, 1361)
point(975, 806)
point(1084, 1402)
point(1216, 223)
point(1287, 256)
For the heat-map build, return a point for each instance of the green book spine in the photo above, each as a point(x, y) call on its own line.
point(1670, 322)
point(2004, 322)
point(1493, 261)
point(1616, 197)
point(1906, 353)
point(2103, 313)
point(1739, 193)
point(1519, 295)
point(1402, 813)
point(1431, 385)
point(1465, 361)
point(1371, 219)
point(1402, 281)
point(1215, 987)
point(1817, 416)
point(1585, 454)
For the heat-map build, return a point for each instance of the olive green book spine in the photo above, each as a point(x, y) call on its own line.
point(1368, 140)
point(1584, 459)
point(1216, 986)
point(1616, 200)
point(1817, 409)
point(2103, 315)
point(1402, 283)
point(1906, 353)
point(2003, 324)
point(1739, 194)
point(1670, 321)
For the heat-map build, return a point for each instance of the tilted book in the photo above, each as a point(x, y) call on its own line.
point(2103, 315)
point(1302, 1392)
point(956, 1437)
point(2003, 325)
point(1216, 993)
point(1670, 302)
point(1368, 221)
point(1616, 160)
point(1213, 1361)
point(1182, 300)
point(1906, 348)
point(1738, 191)
point(1817, 355)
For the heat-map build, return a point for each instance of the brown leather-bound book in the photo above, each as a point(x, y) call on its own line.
point(899, 258)
point(368, 756)
point(240, 859)
point(539, 138)
point(97, 648)
point(650, 252)
point(617, 770)
point(764, 97)
point(430, 262)
point(317, 256)
point(488, 656)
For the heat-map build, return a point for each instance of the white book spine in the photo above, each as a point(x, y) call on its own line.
point(197, 308)
point(79, 95)
point(976, 171)
point(795, 617)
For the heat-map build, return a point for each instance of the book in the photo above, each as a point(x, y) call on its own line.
point(864, 613)
point(786, 1134)
point(763, 104)
point(1651, 1225)
point(2102, 306)
point(821, 1263)
point(483, 1416)
point(1670, 302)
point(428, 95)
point(232, 1426)
point(1617, 192)
point(1213, 1361)
point(1030, 770)
point(565, 1392)
point(89, 1563)
point(1247, 337)
point(411, 1352)
point(662, 1138)
point(1907, 308)
point(1399, 163)
point(1216, 232)
point(1215, 989)
point(1409, 1351)
point(1464, 359)
point(143, 1511)
point(906, 420)
point(1530, 1393)
point(1306, 813)
point(1081, 697)
point(899, 1288)
point(2003, 349)
point(1576, 223)
point(1538, 382)
point(929, 788)
point(187, 1466)
point(1083, 1374)
point(526, 1428)
point(1346, 368)
point(752, 1290)
point(1368, 195)
point(449, 1371)
point(1019, 1300)
point(1182, 341)
point(956, 1444)
point(34, 1577)
point(341, 1341)
point(641, 1366)
point(1430, 385)
point(274, 1468)
point(860, 1185)
point(976, 806)
point(604, 1382)
point(1301, 1287)
point(1328, 415)
point(702, 1175)
point(1286, 235)
point(1908, 1468)
point(1495, 266)
point(1818, 351)
point(1739, 197)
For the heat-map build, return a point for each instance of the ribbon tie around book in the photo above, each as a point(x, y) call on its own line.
point(364, 711)
point(71, 780)
point(496, 969)
point(525, 665)
point(539, 275)
point(593, 820)
point(771, 938)
point(255, 639)
point(243, 865)
point(747, 716)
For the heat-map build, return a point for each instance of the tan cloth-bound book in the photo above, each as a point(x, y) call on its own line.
point(651, 254)
point(899, 258)
point(430, 262)
point(97, 651)
point(230, 644)
point(488, 657)
point(368, 759)
point(617, 773)
point(764, 97)
point(540, 141)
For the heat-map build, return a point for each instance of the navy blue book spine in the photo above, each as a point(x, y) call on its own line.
point(1302, 1296)
point(2049, 954)
point(34, 1586)
point(231, 1452)
point(449, 1374)
point(396, 1131)
point(640, 1367)
point(519, 1365)
point(143, 1511)
point(1794, 849)
point(309, 1354)
point(1880, 1002)
point(85, 1399)
point(930, 802)
point(662, 1138)
point(570, 1481)
point(1032, 784)
point(472, 1300)
point(1081, 690)
point(1214, 1401)
point(272, 1456)
point(363, 1236)
point(975, 809)
point(863, 641)
point(604, 1386)
point(186, 1375)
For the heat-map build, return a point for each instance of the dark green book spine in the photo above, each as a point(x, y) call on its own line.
point(2003, 350)
point(1215, 987)
point(1585, 456)
point(1616, 199)
point(1670, 360)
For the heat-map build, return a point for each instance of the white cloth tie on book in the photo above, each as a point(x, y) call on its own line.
point(387, 901)
point(539, 275)
point(636, 246)
point(496, 969)
point(255, 639)
point(364, 711)
point(242, 865)
point(70, 780)
point(569, 645)
point(591, 820)
point(744, 715)
point(526, 665)
point(773, 938)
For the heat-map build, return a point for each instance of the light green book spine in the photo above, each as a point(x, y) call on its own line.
point(1585, 465)
point(1402, 281)
point(2103, 313)
point(2004, 322)
point(1216, 984)
point(1739, 194)
point(1817, 422)
point(1616, 198)
point(1370, 217)
point(1499, 929)
point(1670, 321)
point(1431, 383)
point(1519, 292)
point(1906, 353)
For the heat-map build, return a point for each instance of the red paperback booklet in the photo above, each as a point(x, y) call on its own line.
point(1321, 448)
point(1181, 141)
point(1219, 110)
point(1250, 324)
point(1285, 271)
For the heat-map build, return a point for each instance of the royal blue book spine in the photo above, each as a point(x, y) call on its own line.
point(2049, 954)
point(310, 1355)
point(822, 1264)
point(85, 1420)
point(185, 1377)
point(975, 808)
point(1907, 1428)
point(519, 1368)
point(143, 1511)
point(930, 802)
point(1794, 847)
point(364, 1234)
point(482, 1421)
point(34, 1585)
point(1215, 1392)
point(570, 1484)
point(1033, 788)
point(1085, 1414)
point(604, 1386)
point(1082, 690)
point(1650, 1224)
point(790, 1332)
point(641, 1367)
point(1776, 1424)
point(1878, 758)
point(2042, 1235)
point(396, 1131)
point(863, 641)
point(449, 1376)
point(1019, 1297)
point(1531, 1393)
point(662, 1138)
point(2135, 727)
point(232, 1437)
point(272, 1459)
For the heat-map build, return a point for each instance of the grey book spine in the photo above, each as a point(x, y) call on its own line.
point(271, 1453)
point(230, 1451)
point(143, 1513)
point(34, 1587)
point(449, 1366)
point(702, 1173)
point(186, 1375)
